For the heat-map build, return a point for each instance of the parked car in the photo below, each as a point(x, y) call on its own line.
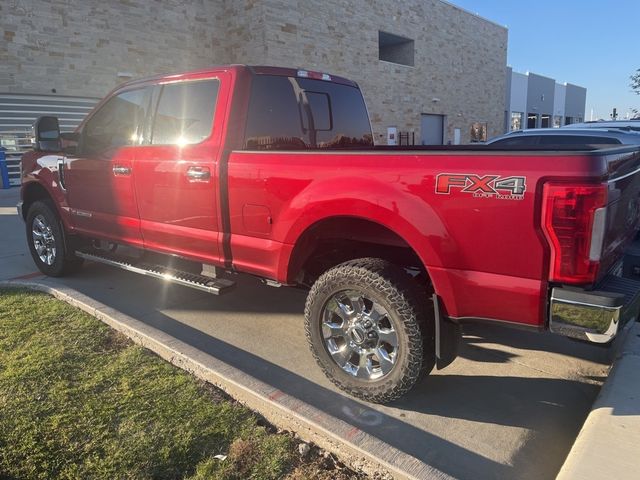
point(273, 172)
point(560, 136)
point(625, 125)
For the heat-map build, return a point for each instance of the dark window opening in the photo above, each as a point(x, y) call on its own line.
point(545, 121)
point(532, 120)
point(395, 49)
point(300, 113)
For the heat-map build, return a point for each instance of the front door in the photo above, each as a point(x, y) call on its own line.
point(175, 172)
point(99, 178)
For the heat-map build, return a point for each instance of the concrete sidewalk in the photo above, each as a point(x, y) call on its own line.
point(608, 445)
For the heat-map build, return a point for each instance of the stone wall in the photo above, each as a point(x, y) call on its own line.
point(80, 47)
point(460, 59)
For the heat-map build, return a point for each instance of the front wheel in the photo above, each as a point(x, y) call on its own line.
point(368, 330)
point(46, 242)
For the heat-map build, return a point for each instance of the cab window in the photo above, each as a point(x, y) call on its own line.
point(117, 123)
point(185, 112)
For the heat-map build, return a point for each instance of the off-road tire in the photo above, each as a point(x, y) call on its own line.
point(65, 262)
point(397, 292)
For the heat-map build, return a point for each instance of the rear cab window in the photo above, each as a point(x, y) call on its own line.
point(302, 113)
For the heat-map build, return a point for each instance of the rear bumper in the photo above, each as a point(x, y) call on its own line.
point(594, 315)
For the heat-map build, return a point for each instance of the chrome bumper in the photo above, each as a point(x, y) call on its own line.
point(19, 208)
point(595, 316)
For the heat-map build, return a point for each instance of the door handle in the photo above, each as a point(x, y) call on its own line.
point(198, 174)
point(61, 173)
point(120, 170)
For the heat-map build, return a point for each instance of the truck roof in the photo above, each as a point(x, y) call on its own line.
point(253, 69)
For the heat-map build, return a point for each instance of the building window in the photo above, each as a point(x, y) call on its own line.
point(395, 49)
point(478, 132)
point(532, 120)
point(557, 121)
point(568, 120)
point(516, 120)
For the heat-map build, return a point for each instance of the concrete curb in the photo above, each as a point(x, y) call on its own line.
point(607, 445)
point(356, 448)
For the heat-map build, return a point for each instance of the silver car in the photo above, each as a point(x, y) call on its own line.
point(625, 125)
point(540, 137)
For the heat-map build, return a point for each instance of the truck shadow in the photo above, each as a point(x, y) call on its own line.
point(479, 336)
point(528, 403)
point(544, 410)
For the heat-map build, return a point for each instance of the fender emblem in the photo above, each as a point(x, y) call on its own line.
point(482, 186)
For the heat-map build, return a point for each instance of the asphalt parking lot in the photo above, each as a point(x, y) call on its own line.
point(510, 406)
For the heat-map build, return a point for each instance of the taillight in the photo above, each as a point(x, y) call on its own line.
point(573, 218)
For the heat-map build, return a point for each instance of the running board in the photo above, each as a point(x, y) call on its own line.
point(216, 286)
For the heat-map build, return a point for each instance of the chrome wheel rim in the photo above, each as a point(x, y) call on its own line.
point(43, 240)
point(359, 335)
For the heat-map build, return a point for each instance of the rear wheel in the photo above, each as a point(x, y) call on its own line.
point(368, 330)
point(46, 241)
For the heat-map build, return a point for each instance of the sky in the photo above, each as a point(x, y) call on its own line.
point(591, 43)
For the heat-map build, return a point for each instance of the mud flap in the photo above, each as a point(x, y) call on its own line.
point(448, 336)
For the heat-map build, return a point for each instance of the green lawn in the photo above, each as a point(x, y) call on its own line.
point(78, 400)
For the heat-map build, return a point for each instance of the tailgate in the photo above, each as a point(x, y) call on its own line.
point(623, 208)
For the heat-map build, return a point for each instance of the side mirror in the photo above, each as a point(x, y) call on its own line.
point(46, 131)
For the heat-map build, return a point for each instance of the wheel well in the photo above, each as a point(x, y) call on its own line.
point(33, 193)
point(336, 240)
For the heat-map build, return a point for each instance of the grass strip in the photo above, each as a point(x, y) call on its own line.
point(79, 400)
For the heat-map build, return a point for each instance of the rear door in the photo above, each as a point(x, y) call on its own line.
point(175, 179)
point(98, 179)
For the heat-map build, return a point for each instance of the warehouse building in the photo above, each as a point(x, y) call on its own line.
point(535, 101)
point(430, 71)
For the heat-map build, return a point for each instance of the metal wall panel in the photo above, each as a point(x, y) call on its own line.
point(18, 112)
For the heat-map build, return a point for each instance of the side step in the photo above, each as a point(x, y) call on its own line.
point(216, 286)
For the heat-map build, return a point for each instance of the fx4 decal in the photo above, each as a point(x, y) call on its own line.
point(487, 186)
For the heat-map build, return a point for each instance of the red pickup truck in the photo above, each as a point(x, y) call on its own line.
point(273, 172)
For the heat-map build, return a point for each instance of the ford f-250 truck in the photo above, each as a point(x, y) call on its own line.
point(273, 172)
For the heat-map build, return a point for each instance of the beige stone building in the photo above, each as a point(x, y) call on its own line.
point(423, 65)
